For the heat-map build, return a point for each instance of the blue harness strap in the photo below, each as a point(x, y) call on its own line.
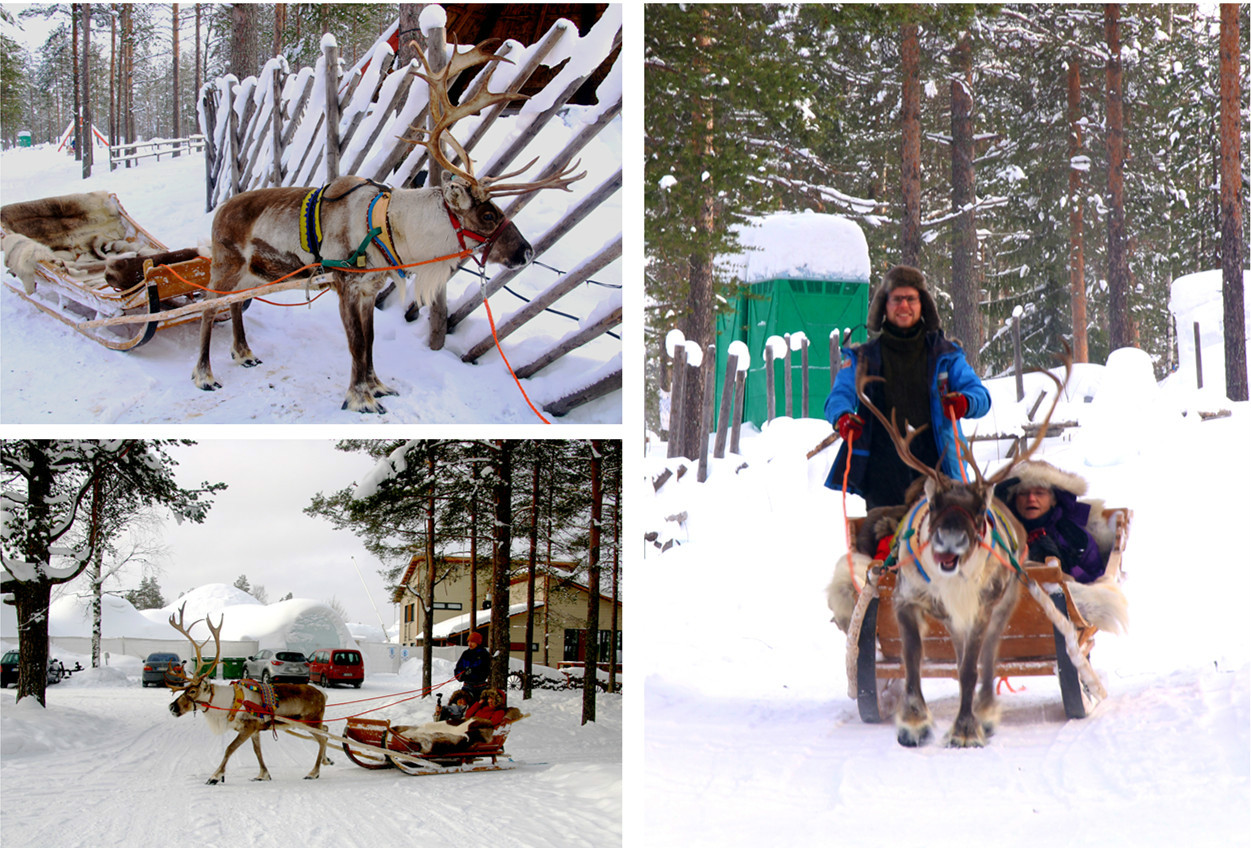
point(310, 223)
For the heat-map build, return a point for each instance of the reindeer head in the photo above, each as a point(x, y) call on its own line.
point(959, 511)
point(193, 689)
point(469, 197)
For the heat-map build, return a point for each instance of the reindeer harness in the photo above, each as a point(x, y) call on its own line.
point(992, 523)
point(380, 236)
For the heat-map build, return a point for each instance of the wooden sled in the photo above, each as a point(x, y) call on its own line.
point(372, 744)
point(1031, 644)
point(76, 293)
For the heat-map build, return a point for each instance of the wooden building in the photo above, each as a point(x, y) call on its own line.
point(560, 605)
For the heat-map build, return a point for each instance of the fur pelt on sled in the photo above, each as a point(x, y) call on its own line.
point(22, 255)
point(444, 737)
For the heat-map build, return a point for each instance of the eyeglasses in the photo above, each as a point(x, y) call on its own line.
point(898, 300)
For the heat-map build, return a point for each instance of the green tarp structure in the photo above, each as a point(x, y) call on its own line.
point(777, 307)
point(806, 273)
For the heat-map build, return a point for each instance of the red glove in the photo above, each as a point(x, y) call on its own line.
point(850, 426)
point(955, 405)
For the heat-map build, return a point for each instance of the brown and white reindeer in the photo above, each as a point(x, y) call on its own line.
point(259, 236)
point(240, 709)
point(955, 543)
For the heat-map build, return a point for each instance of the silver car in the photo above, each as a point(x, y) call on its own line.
point(267, 665)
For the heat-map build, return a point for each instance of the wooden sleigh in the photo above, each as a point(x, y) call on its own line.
point(1031, 644)
point(75, 291)
point(374, 744)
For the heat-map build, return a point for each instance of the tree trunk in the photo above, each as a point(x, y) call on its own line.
point(530, 579)
point(966, 323)
point(112, 80)
point(1077, 260)
point(87, 135)
point(32, 600)
point(590, 670)
point(910, 149)
point(75, 12)
point(280, 23)
point(409, 37)
point(198, 71)
point(242, 37)
point(178, 80)
point(502, 558)
point(1120, 328)
point(615, 623)
point(1233, 294)
point(97, 569)
point(427, 640)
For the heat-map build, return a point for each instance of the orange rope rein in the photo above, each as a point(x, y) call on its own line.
point(847, 521)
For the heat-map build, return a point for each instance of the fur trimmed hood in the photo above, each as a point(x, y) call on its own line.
point(1035, 473)
point(903, 275)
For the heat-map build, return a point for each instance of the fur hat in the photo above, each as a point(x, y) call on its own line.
point(903, 275)
point(1036, 473)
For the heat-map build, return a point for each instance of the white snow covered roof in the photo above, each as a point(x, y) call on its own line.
point(800, 246)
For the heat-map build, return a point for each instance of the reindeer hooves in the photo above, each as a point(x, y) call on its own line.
point(966, 733)
point(261, 777)
point(311, 776)
point(914, 737)
point(246, 358)
point(213, 781)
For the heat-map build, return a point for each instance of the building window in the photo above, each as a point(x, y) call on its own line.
point(408, 613)
point(571, 645)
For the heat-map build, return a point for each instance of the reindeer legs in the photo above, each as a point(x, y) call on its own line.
point(913, 723)
point(356, 309)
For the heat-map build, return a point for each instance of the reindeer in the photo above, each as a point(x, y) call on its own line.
point(949, 569)
point(240, 709)
point(264, 234)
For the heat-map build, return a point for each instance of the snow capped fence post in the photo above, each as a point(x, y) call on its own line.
point(330, 50)
point(786, 379)
point(705, 428)
point(1198, 357)
point(727, 398)
point(803, 371)
point(676, 342)
point(770, 401)
point(836, 357)
point(740, 384)
point(275, 177)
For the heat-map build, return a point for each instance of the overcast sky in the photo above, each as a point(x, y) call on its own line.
point(258, 527)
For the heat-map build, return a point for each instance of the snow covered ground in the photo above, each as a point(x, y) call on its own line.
point(52, 374)
point(107, 764)
point(751, 739)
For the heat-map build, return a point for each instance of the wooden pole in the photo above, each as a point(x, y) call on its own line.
point(675, 401)
point(770, 401)
point(1016, 357)
point(331, 52)
point(740, 383)
point(727, 396)
point(786, 379)
point(710, 385)
point(803, 371)
point(836, 358)
point(1198, 356)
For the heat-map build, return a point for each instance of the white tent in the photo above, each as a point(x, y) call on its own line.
point(99, 140)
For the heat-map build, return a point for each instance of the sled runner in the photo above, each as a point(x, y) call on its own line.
point(374, 744)
point(62, 249)
point(1031, 644)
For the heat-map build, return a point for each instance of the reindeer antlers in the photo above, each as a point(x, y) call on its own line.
point(903, 443)
point(215, 633)
point(445, 115)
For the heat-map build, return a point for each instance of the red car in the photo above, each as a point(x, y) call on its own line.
point(333, 666)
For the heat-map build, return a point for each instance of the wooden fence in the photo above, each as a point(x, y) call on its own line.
point(309, 127)
point(127, 153)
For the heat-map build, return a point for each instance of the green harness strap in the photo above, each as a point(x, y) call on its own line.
point(357, 257)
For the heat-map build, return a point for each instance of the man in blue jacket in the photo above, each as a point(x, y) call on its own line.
point(926, 381)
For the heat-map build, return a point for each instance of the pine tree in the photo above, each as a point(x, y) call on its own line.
point(147, 596)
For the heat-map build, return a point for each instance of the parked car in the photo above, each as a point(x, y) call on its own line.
point(8, 669)
point(267, 665)
point(332, 666)
point(155, 667)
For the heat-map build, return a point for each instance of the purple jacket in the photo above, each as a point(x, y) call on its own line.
point(1062, 533)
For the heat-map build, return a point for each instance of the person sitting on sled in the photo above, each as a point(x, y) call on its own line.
point(1045, 499)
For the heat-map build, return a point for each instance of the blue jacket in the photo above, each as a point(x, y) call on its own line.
point(944, 357)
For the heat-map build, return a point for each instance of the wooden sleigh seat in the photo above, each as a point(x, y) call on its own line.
point(1031, 645)
point(380, 734)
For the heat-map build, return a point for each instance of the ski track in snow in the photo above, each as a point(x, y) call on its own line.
point(107, 766)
